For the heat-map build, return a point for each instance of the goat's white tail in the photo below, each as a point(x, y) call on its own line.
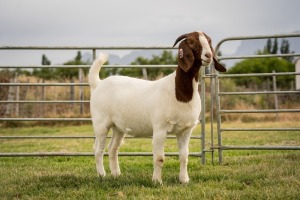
point(95, 69)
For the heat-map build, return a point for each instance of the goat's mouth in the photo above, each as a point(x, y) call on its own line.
point(205, 62)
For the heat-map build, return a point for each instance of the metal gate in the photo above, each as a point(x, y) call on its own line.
point(80, 101)
point(217, 78)
point(213, 77)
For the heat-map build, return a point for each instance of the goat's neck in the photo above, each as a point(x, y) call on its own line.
point(184, 87)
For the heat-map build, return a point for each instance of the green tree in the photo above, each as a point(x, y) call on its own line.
point(78, 58)
point(272, 47)
point(285, 49)
point(266, 65)
point(262, 65)
point(46, 73)
point(166, 58)
point(70, 73)
point(45, 60)
point(275, 47)
point(268, 46)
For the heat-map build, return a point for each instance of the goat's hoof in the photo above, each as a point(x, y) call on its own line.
point(116, 174)
point(157, 182)
point(184, 183)
point(102, 174)
point(184, 180)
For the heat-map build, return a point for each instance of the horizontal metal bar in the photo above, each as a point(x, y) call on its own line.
point(87, 66)
point(209, 76)
point(48, 137)
point(257, 74)
point(42, 154)
point(260, 129)
point(258, 93)
point(195, 154)
point(259, 111)
point(58, 101)
point(79, 137)
point(44, 84)
point(259, 147)
point(208, 150)
point(255, 38)
point(258, 56)
point(45, 119)
point(168, 137)
point(85, 47)
point(45, 66)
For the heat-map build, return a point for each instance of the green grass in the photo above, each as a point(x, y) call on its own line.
point(243, 175)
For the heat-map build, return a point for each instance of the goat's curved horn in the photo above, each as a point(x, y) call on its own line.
point(180, 38)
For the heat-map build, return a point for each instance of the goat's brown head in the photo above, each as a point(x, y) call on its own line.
point(196, 47)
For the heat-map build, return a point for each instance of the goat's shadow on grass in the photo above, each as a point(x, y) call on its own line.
point(126, 180)
point(72, 181)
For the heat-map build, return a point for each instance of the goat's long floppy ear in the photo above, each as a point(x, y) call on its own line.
point(185, 56)
point(218, 66)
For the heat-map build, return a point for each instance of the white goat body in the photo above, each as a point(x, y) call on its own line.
point(149, 108)
point(138, 107)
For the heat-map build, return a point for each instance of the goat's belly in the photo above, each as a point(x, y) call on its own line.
point(177, 128)
point(136, 128)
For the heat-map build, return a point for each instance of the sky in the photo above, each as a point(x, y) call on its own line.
point(134, 23)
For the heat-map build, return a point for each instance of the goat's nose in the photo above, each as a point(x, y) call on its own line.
point(207, 55)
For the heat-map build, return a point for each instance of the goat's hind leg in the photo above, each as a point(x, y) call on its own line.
point(99, 146)
point(113, 149)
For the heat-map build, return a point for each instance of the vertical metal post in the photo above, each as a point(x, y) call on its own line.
point(80, 71)
point(42, 114)
point(202, 95)
point(218, 108)
point(17, 97)
point(94, 54)
point(145, 75)
point(212, 114)
point(275, 95)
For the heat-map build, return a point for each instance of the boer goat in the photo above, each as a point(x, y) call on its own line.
point(170, 105)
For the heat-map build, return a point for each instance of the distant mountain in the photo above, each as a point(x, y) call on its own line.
point(250, 47)
point(129, 58)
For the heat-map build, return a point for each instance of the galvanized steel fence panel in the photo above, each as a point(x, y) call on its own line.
point(201, 152)
point(219, 112)
point(214, 78)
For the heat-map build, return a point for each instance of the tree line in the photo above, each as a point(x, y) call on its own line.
point(166, 58)
point(266, 65)
point(48, 73)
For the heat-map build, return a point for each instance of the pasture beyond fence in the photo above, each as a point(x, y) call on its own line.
point(216, 110)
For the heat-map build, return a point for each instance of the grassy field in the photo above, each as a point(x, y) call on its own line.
point(243, 175)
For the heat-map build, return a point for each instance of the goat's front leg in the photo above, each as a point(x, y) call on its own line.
point(159, 138)
point(183, 146)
